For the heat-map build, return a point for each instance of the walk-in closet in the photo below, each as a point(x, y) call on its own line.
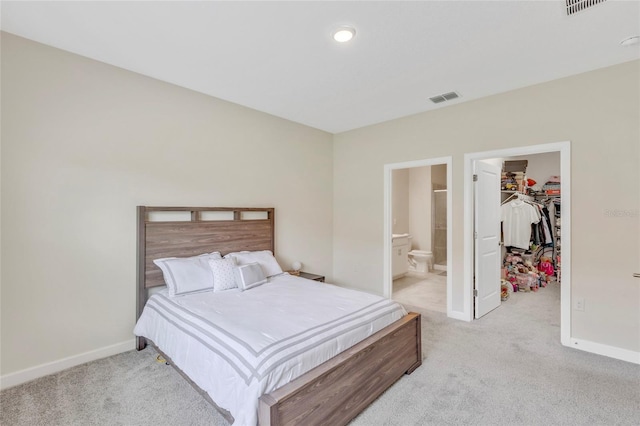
point(531, 211)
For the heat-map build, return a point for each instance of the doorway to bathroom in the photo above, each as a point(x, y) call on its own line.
point(417, 236)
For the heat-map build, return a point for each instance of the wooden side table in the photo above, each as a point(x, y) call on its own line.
point(313, 277)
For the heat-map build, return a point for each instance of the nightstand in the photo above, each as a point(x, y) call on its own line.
point(313, 277)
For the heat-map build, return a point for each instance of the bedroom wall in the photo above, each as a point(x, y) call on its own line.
point(84, 143)
point(598, 112)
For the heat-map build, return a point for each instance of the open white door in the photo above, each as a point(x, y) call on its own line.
point(487, 238)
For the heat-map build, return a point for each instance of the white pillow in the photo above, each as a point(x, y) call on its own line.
point(249, 276)
point(223, 275)
point(187, 274)
point(264, 258)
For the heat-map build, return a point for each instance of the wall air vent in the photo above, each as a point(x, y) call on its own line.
point(575, 6)
point(444, 97)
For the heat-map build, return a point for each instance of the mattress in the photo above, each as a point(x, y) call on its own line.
point(237, 346)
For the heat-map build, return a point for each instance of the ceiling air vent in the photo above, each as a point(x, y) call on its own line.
point(575, 6)
point(444, 97)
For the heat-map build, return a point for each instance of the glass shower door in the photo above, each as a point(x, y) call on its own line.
point(439, 226)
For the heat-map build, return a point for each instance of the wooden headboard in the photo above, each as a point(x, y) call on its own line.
point(189, 231)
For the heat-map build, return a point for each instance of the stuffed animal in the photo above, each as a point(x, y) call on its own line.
point(545, 266)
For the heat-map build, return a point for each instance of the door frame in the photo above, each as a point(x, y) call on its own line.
point(564, 148)
point(388, 218)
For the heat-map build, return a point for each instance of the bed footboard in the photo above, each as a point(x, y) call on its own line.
point(336, 391)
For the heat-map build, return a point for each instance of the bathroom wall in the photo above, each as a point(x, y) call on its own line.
point(400, 201)
point(439, 176)
point(420, 207)
point(411, 205)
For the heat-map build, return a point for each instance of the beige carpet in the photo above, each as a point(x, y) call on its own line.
point(507, 368)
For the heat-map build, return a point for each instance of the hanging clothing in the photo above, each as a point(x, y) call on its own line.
point(543, 231)
point(546, 226)
point(517, 217)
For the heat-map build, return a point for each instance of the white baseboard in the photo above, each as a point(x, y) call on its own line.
point(26, 375)
point(606, 350)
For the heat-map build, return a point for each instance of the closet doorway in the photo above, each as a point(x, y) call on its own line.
point(547, 164)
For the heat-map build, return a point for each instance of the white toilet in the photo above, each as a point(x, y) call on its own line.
point(420, 262)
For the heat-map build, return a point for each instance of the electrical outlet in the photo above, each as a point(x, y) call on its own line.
point(579, 304)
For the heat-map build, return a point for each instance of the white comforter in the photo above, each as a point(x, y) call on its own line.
point(238, 346)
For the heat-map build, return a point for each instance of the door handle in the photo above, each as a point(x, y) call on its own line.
point(636, 275)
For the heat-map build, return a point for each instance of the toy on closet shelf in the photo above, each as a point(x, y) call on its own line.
point(509, 181)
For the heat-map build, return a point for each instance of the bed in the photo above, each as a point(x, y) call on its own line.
point(321, 354)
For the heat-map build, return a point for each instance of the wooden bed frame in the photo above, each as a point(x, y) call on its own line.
point(332, 393)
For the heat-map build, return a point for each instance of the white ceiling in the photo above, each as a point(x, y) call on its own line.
point(278, 57)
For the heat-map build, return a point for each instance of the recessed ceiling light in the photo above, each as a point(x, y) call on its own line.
point(344, 34)
point(630, 41)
